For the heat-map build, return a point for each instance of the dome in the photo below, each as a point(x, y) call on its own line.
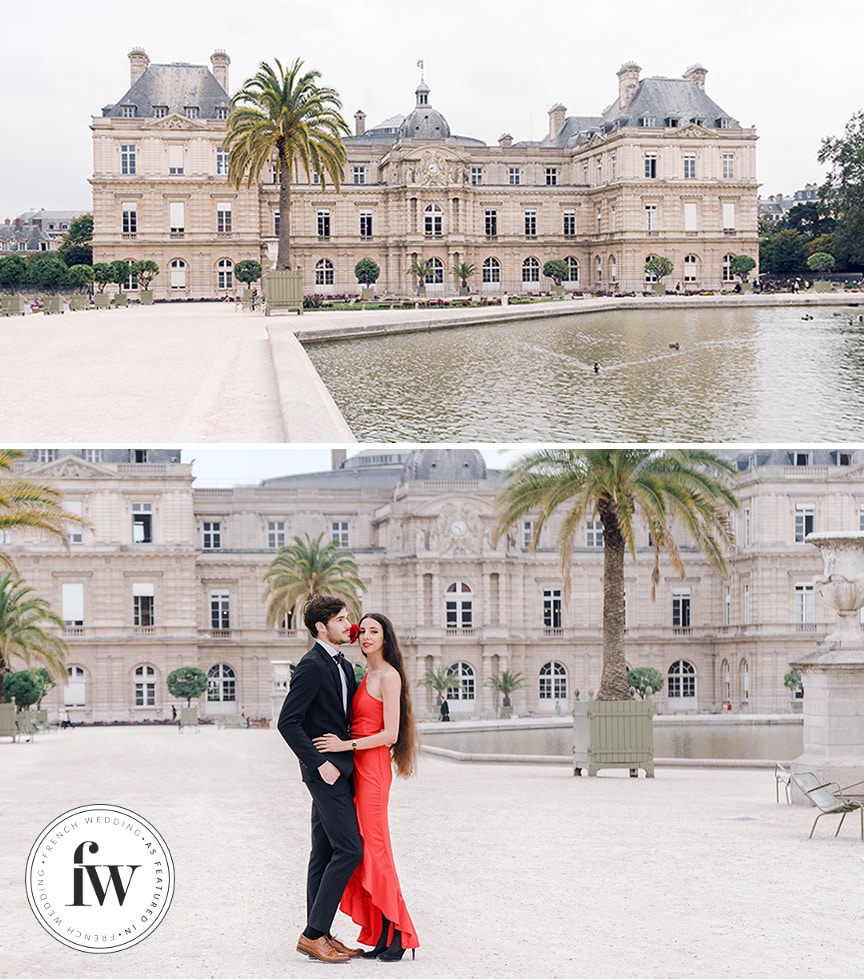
point(424, 122)
point(448, 464)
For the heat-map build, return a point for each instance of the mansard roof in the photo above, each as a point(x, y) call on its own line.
point(175, 86)
point(661, 99)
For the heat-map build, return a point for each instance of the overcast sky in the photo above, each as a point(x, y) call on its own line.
point(791, 69)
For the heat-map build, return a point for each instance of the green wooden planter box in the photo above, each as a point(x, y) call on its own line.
point(283, 290)
point(146, 297)
point(102, 300)
point(8, 726)
point(78, 302)
point(12, 305)
point(52, 304)
point(120, 299)
point(188, 717)
point(613, 734)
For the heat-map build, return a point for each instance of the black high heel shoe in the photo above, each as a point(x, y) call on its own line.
point(381, 944)
point(394, 951)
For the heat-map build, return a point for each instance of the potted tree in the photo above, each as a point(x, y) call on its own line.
point(557, 270)
point(422, 268)
point(741, 266)
point(25, 689)
point(121, 270)
point(463, 272)
point(80, 277)
point(439, 680)
point(247, 271)
point(792, 682)
point(102, 275)
point(822, 263)
point(645, 680)
point(690, 487)
point(145, 271)
point(13, 273)
point(283, 116)
point(505, 683)
point(188, 682)
point(366, 271)
point(658, 268)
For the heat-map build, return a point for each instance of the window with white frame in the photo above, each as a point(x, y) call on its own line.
point(727, 605)
point(726, 679)
point(569, 224)
point(459, 606)
point(142, 523)
point(224, 274)
point(650, 166)
point(191, 111)
point(598, 269)
point(144, 686)
point(748, 526)
point(613, 218)
point(476, 176)
point(651, 217)
point(325, 272)
point(92, 455)
point(598, 171)
point(275, 534)
point(728, 166)
point(598, 217)
point(745, 603)
point(220, 611)
point(530, 270)
point(527, 534)
point(339, 533)
point(359, 175)
point(572, 268)
point(551, 176)
point(691, 268)
point(143, 604)
point(805, 607)
point(531, 223)
point(728, 216)
point(613, 269)
point(75, 691)
point(365, 224)
point(681, 680)
point(861, 517)
point(211, 535)
point(689, 166)
point(728, 276)
point(514, 176)
point(221, 162)
point(551, 608)
point(221, 111)
point(129, 218)
point(175, 160)
point(744, 680)
point(160, 111)
point(433, 218)
point(805, 514)
point(491, 223)
point(594, 533)
point(435, 275)
point(176, 217)
point(223, 217)
point(467, 689)
point(553, 682)
point(72, 604)
point(75, 530)
point(128, 158)
point(46, 455)
point(491, 271)
point(221, 684)
point(613, 167)
point(690, 216)
point(681, 611)
point(323, 224)
point(177, 271)
point(276, 224)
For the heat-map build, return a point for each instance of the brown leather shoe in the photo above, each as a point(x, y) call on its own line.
point(344, 949)
point(320, 949)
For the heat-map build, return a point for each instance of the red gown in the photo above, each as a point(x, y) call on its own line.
point(374, 888)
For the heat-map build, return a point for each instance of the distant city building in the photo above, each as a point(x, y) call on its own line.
point(36, 231)
point(777, 206)
point(663, 171)
point(166, 575)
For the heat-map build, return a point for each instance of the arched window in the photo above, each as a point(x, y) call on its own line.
point(75, 691)
point(598, 270)
point(553, 683)
point(491, 270)
point(432, 221)
point(613, 269)
point(324, 272)
point(691, 268)
point(649, 276)
point(531, 270)
point(681, 682)
point(178, 274)
point(436, 272)
point(132, 278)
point(459, 606)
point(727, 268)
point(144, 686)
point(221, 683)
point(726, 675)
point(572, 268)
point(467, 689)
point(744, 677)
point(225, 274)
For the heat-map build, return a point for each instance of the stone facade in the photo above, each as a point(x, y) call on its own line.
point(662, 171)
point(169, 575)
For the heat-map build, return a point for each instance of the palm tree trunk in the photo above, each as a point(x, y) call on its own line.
point(283, 255)
point(613, 681)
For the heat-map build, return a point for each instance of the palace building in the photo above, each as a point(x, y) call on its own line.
point(662, 171)
point(166, 575)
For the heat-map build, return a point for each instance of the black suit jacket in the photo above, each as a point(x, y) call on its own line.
point(313, 707)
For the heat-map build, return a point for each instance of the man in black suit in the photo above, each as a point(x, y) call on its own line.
point(318, 702)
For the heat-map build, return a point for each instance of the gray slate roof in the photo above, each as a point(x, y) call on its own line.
point(175, 86)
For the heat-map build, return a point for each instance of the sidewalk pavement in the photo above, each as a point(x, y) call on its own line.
point(508, 870)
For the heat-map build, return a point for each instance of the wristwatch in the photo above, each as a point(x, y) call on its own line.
point(353, 745)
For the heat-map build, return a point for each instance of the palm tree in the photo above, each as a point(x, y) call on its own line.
point(27, 504)
point(690, 486)
point(463, 271)
point(422, 268)
point(24, 618)
point(305, 568)
point(282, 116)
point(505, 683)
point(439, 680)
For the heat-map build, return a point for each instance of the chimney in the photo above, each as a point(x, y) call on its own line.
point(220, 61)
point(337, 457)
point(628, 79)
point(696, 73)
point(557, 115)
point(138, 64)
point(359, 122)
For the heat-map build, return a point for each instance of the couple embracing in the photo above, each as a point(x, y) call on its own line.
point(348, 738)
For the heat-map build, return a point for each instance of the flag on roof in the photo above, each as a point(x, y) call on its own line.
point(420, 63)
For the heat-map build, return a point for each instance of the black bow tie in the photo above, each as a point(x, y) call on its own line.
point(340, 658)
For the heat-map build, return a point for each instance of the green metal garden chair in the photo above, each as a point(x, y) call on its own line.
point(829, 799)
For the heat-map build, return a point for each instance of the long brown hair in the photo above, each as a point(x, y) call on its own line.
point(404, 751)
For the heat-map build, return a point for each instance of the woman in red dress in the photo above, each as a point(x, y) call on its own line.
point(384, 735)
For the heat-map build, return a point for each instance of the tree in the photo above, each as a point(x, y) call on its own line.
point(643, 677)
point(24, 688)
point(821, 262)
point(102, 275)
point(188, 682)
point(80, 276)
point(306, 567)
point(784, 253)
point(121, 269)
point(13, 272)
point(463, 272)
point(247, 271)
point(558, 271)
point(659, 267)
point(48, 272)
point(741, 266)
point(423, 269)
point(77, 245)
point(366, 271)
point(439, 680)
point(792, 682)
point(282, 117)
point(843, 189)
point(145, 271)
point(28, 504)
point(505, 683)
point(688, 487)
point(24, 621)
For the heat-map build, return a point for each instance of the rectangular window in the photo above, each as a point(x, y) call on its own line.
point(276, 224)
point(176, 217)
point(365, 224)
point(727, 605)
point(223, 217)
point(728, 217)
point(72, 604)
point(570, 223)
point(598, 218)
point(339, 533)
point(805, 607)
point(221, 111)
point(76, 508)
point(476, 176)
point(531, 224)
point(728, 166)
point(160, 111)
point(359, 175)
point(594, 534)
point(527, 534)
point(689, 166)
point(143, 604)
point(613, 218)
point(220, 610)
point(690, 216)
point(681, 610)
point(552, 608)
point(651, 165)
point(804, 515)
point(650, 217)
point(175, 160)
point(211, 535)
point(491, 224)
point(221, 163)
point(276, 534)
point(514, 176)
point(323, 224)
point(128, 111)
point(190, 111)
point(861, 517)
point(129, 217)
point(551, 176)
point(613, 167)
point(745, 604)
point(748, 527)
point(142, 523)
point(127, 158)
